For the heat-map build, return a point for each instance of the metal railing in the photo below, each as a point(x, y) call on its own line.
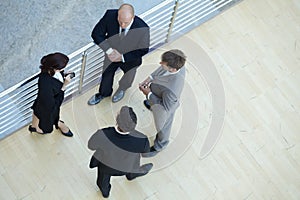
point(167, 21)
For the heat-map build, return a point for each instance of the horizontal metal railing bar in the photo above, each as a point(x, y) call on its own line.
point(94, 59)
point(154, 19)
point(90, 76)
point(8, 121)
point(158, 33)
point(162, 23)
point(74, 62)
point(182, 15)
point(95, 71)
point(79, 51)
point(178, 29)
point(14, 120)
point(190, 6)
point(7, 106)
point(155, 8)
point(10, 109)
point(159, 39)
point(96, 52)
point(91, 71)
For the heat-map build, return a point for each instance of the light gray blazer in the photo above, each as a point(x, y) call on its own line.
point(166, 91)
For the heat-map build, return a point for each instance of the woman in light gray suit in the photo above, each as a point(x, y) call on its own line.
point(163, 89)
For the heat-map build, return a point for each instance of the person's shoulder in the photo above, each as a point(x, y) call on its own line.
point(138, 134)
point(140, 22)
point(111, 12)
point(107, 129)
point(45, 77)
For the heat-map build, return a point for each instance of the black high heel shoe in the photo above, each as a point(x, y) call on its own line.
point(31, 129)
point(68, 134)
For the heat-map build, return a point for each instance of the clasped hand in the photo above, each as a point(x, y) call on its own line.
point(145, 87)
point(115, 56)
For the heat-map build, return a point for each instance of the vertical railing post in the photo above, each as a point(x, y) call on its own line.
point(83, 65)
point(172, 21)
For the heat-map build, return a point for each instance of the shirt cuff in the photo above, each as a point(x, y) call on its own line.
point(123, 60)
point(109, 51)
point(148, 95)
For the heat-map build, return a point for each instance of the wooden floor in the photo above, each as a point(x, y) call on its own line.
point(255, 48)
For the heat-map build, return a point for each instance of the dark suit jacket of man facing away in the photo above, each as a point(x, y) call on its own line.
point(118, 154)
point(133, 46)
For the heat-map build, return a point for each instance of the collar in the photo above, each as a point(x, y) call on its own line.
point(122, 133)
point(170, 73)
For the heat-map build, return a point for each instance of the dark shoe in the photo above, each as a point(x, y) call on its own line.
point(118, 96)
point(105, 193)
point(31, 129)
point(68, 134)
point(152, 149)
point(95, 99)
point(147, 104)
point(152, 153)
point(144, 170)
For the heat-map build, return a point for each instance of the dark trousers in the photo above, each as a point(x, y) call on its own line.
point(106, 85)
point(103, 179)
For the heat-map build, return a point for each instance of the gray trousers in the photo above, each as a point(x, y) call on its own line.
point(162, 136)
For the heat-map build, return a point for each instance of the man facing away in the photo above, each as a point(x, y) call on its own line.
point(163, 89)
point(124, 38)
point(118, 150)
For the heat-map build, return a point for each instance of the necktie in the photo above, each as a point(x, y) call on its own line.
point(122, 33)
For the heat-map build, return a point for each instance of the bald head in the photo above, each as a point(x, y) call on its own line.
point(125, 15)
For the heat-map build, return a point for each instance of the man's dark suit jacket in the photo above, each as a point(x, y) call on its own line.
point(133, 46)
point(117, 154)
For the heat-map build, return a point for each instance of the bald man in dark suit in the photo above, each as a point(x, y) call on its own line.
point(124, 38)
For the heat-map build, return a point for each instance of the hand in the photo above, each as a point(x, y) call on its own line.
point(146, 82)
point(145, 89)
point(66, 82)
point(115, 56)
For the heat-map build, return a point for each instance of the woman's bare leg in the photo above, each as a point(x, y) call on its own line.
point(35, 123)
point(63, 127)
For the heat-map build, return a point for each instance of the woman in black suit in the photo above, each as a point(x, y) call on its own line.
point(51, 87)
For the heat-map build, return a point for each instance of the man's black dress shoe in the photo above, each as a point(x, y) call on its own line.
point(152, 149)
point(147, 104)
point(95, 99)
point(118, 96)
point(151, 153)
point(144, 170)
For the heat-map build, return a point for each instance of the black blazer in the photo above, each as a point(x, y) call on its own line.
point(47, 104)
point(133, 46)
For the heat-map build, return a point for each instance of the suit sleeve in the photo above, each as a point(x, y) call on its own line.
point(99, 32)
point(143, 45)
point(93, 142)
point(167, 102)
point(147, 146)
